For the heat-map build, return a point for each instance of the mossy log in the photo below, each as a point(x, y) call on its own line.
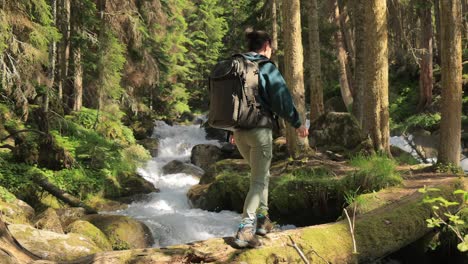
point(61, 195)
point(378, 233)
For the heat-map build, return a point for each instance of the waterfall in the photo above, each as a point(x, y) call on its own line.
point(168, 213)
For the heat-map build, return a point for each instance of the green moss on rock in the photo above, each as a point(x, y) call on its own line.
point(123, 232)
point(87, 229)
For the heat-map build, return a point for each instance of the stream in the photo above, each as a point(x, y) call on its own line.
point(168, 213)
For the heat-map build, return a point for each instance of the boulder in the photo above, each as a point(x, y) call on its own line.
point(49, 220)
point(336, 131)
point(204, 155)
point(214, 133)
point(177, 166)
point(16, 211)
point(426, 142)
point(70, 214)
point(53, 246)
point(235, 165)
point(90, 231)
point(230, 151)
point(151, 144)
point(133, 183)
point(122, 231)
point(335, 104)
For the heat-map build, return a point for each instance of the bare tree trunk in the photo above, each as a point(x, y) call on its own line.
point(343, 59)
point(360, 40)
point(316, 88)
point(64, 47)
point(294, 70)
point(450, 124)
point(77, 81)
point(52, 57)
point(348, 38)
point(425, 76)
point(465, 23)
point(274, 31)
point(375, 121)
point(76, 94)
point(438, 34)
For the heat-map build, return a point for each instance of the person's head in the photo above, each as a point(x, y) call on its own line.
point(259, 41)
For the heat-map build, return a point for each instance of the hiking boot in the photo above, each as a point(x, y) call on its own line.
point(264, 225)
point(245, 237)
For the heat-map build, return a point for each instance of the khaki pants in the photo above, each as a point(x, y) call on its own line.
point(255, 145)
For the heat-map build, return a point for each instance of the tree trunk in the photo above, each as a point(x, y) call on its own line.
point(450, 124)
point(438, 33)
point(274, 31)
point(316, 88)
point(294, 70)
point(361, 53)
point(465, 23)
point(77, 81)
point(348, 39)
point(52, 57)
point(342, 58)
point(64, 48)
point(425, 75)
point(374, 89)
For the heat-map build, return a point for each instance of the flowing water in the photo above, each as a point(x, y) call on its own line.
point(168, 213)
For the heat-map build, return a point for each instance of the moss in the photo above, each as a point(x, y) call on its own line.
point(122, 231)
point(89, 230)
point(13, 214)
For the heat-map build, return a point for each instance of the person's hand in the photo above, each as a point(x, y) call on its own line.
point(232, 140)
point(302, 131)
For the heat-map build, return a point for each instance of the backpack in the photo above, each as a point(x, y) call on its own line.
point(234, 95)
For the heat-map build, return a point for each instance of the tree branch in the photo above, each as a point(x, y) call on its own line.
point(23, 131)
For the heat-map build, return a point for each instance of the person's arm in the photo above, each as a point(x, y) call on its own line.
point(279, 98)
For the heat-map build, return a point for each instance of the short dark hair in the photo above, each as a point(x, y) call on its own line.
point(256, 39)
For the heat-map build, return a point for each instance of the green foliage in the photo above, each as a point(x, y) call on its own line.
point(444, 216)
point(449, 168)
point(426, 121)
point(374, 172)
point(6, 196)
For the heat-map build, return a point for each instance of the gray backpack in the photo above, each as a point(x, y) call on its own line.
point(234, 95)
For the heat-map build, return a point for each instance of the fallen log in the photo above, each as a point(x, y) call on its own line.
point(60, 194)
point(378, 233)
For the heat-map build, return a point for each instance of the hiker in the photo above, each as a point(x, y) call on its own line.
point(255, 144)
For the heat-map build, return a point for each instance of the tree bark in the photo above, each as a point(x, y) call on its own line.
point(451, 56)
point(274, 31)
point(360, 54)
point(315, 79)
point(64, 48)
point(425, 75)
point(294, 70)
point(342, 58)
point(77, 100)
point(465, 23)
point(438, 33)
point(374, 82)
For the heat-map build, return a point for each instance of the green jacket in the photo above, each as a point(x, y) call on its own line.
point(274, 93)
